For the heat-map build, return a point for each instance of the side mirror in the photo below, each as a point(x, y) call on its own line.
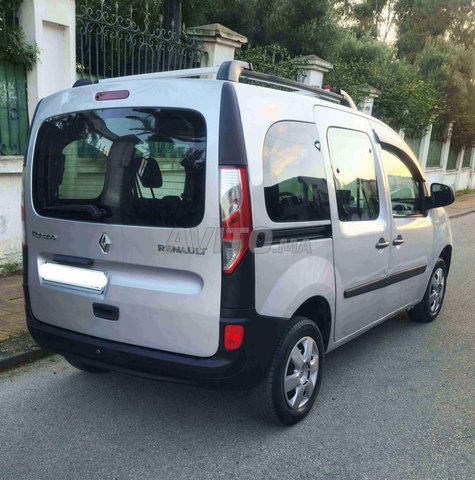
point(441, 195)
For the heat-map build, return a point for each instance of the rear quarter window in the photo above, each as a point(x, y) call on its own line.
point(295, 186)
point(130, 166)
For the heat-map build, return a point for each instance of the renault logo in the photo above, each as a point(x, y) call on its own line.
point(105, 243)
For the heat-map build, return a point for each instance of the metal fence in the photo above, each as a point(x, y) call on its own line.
point(112, 45)
point(13, 106)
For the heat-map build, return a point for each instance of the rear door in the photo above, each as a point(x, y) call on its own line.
point(360, 220)
point(123, 205)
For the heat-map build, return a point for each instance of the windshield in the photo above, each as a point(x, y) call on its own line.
point(132, 166)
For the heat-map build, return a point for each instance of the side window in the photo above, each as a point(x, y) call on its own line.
point(354, 172)
point(295, 187)
point(404, 188)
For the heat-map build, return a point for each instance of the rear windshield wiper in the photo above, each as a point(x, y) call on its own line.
point(93, 211)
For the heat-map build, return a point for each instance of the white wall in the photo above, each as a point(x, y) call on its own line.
point(10, 206)
point(51, 25)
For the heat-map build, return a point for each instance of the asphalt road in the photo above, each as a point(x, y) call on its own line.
point(396, 403)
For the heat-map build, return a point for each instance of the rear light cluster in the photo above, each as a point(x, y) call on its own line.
point(24, 245)
point(236, 223)
point(23, 228)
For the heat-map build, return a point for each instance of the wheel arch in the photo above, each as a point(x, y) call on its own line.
point(317, 309)
point(446, 256)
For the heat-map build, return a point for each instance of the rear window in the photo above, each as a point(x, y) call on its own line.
point(127, 166)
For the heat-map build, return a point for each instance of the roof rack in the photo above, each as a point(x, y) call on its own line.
point(186, 73)
point(235, 70)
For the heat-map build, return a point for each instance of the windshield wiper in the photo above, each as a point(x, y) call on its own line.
point(93, 211)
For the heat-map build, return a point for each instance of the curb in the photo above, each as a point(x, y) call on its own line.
point(23, 357)
point(462, 214)
point(19, 350)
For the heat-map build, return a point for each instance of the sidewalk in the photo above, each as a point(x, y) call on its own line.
point(16, 345)
point(14, 337)
point(12, 311)
point(463, 204)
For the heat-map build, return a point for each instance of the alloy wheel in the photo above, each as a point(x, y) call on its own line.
point(437, 289)
point(301, 372)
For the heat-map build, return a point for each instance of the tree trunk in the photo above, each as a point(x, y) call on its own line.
point(173, 16)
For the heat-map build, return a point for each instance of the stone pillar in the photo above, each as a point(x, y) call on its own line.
point(366, 105)
point(51, 24)
point(444, 156)
point(472, 168)
point(313, 70)
point(219, 43)
point(459, 168)
point(424, 147)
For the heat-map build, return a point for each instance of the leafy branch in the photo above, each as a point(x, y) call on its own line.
point(13, 46)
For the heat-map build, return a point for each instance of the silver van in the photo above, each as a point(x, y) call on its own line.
point(223, 233)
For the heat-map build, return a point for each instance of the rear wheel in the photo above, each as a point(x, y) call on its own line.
point(85, 367)
point(429, 308)
point(293, 379)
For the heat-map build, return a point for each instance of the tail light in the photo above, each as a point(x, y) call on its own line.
point(24, 246)
point(236, 223)
point(112, 95)
point(23, 228)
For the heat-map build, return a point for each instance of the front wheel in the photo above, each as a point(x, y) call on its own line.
point(427, 310)
point(293, 379)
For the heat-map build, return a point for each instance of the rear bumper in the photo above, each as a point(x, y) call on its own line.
point(242, 368)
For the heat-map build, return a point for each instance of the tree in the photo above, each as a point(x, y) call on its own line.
point(303, 26)
point(172, 16)
point(421, 20)
point(273, 59)
point(243, 16)
point(406, 101)
point(300, 26)
point(451, 67)
point(14, 48)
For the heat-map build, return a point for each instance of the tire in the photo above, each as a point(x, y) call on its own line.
point(85, 367)
point(274, 399)
point(429, 307)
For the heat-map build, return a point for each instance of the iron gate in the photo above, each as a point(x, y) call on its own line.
point(111, 45)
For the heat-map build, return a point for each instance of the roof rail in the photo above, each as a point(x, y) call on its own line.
point(234, 70)
point(189, 72)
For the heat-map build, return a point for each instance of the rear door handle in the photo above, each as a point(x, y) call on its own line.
point(108, 312)
point(398, 240)
point(382, 243)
